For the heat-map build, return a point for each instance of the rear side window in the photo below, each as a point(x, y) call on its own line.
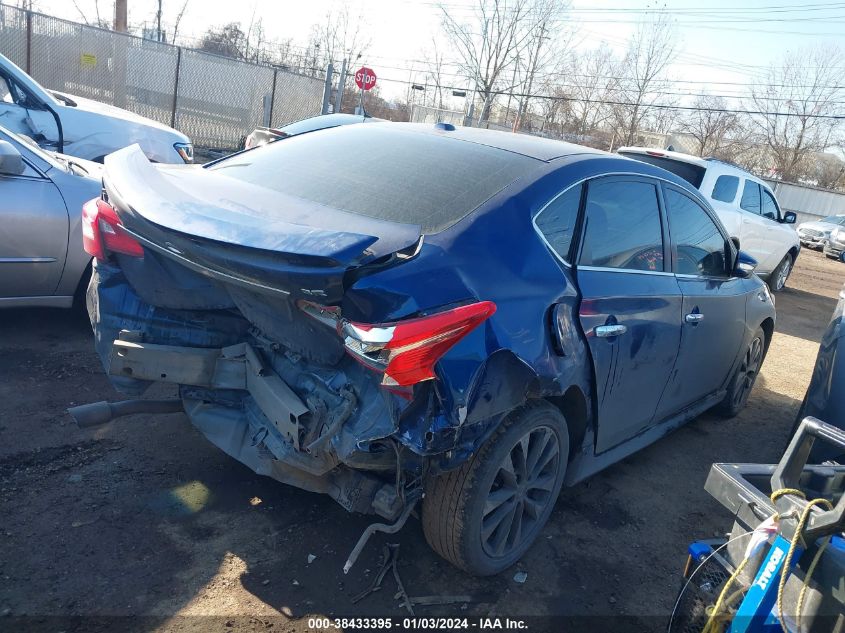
point(698, 246)
point(557, 221)
point(693, 174)
point(751, 197)
point(725, 188)
point(770, 207)
point(622, 226)
point(381, 172)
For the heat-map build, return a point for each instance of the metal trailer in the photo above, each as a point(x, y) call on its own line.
point(746, 490)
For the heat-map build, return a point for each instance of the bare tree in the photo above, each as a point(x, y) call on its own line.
point(826, 170)
point(710, 126)
point(798, 93)
point(651, 50)
point(488, 43)
point(96, 21)
point(178, 20)
point(228, 40)
point(435, 61)
point(593, 75)
point(340, 35)
point(27, 5)
point(547, 43)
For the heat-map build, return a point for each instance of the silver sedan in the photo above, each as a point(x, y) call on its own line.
point(41, 196)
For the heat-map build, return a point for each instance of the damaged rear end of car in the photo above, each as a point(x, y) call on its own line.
point(306, 341)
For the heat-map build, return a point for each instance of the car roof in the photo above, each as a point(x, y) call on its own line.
point(543, 149)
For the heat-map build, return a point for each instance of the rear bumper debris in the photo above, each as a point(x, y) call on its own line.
point(266, 431)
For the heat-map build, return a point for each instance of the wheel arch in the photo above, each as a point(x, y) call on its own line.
point(574, 406)
point(768, 326)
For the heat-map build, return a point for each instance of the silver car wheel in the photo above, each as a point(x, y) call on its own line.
point(783, 273)
point(522, 489)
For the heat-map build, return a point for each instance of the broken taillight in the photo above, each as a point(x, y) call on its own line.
point(103, 232)
point(406, 351)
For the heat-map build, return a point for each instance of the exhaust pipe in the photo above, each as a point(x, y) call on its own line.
point(98, 413)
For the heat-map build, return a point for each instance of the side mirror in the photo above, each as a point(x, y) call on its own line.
point(745, 265)
point(789, 217)
point(11, 163)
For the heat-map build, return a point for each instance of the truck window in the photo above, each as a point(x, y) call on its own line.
point(725, 188)
point(751, 197)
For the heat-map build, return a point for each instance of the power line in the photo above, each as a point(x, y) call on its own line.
point(661, 106)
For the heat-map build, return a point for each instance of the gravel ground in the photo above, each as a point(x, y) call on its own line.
point(143, 517)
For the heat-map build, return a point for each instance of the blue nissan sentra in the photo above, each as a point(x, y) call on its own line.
point(402, 313)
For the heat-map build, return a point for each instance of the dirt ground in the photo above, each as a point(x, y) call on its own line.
point(143, 517)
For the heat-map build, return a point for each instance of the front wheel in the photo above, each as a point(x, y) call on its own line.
point(746, 375)
point(777, 281)
point(483, 516)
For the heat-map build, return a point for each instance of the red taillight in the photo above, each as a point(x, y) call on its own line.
point(406, 351)
point(103, 233)
point(653, 153)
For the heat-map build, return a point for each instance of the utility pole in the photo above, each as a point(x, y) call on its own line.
point(120, 16)
point(158, 21)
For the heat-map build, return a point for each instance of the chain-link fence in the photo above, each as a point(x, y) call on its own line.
point(215, 100)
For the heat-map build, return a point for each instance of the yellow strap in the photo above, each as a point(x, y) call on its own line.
point(718, 615)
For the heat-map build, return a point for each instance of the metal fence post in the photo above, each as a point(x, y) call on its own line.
point(338, 99)
point(327, 90)
point(273, 97)
point(29, 42)
point(176, 87)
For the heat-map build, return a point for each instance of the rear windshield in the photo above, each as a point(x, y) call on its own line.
point(693, 174)
point(383, 172)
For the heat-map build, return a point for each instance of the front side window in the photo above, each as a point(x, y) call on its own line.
point(698, 245)
point(751, 197)
point(725, 188)
point(770, 207)
point(622, 226)
point(557, 221)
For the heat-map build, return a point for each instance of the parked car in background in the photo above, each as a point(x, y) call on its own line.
point(263, 135)
point(421, 324)
point(834, 246)
point(745, 205)
point(42, 262)
point(814, 234)
point(82, 127)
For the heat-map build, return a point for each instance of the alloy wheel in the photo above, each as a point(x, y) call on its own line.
point(747, 373)
point(783, 273)
point(521, 491)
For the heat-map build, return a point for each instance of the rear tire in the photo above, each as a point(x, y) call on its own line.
point(483, 516)
point(777, 280)
point(742, 382)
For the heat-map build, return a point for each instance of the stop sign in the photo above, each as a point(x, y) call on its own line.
point(365, 78)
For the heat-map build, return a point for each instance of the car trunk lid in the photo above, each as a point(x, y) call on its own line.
point(245, 234)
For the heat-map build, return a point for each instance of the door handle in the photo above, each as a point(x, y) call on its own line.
point(694, 317)
point(607, 331)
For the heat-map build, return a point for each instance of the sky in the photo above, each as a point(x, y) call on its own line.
point(723, 44)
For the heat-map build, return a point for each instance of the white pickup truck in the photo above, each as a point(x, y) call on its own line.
point(82, 127)
point(746, 206)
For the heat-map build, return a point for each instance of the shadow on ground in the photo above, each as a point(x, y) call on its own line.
point(144, 517)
